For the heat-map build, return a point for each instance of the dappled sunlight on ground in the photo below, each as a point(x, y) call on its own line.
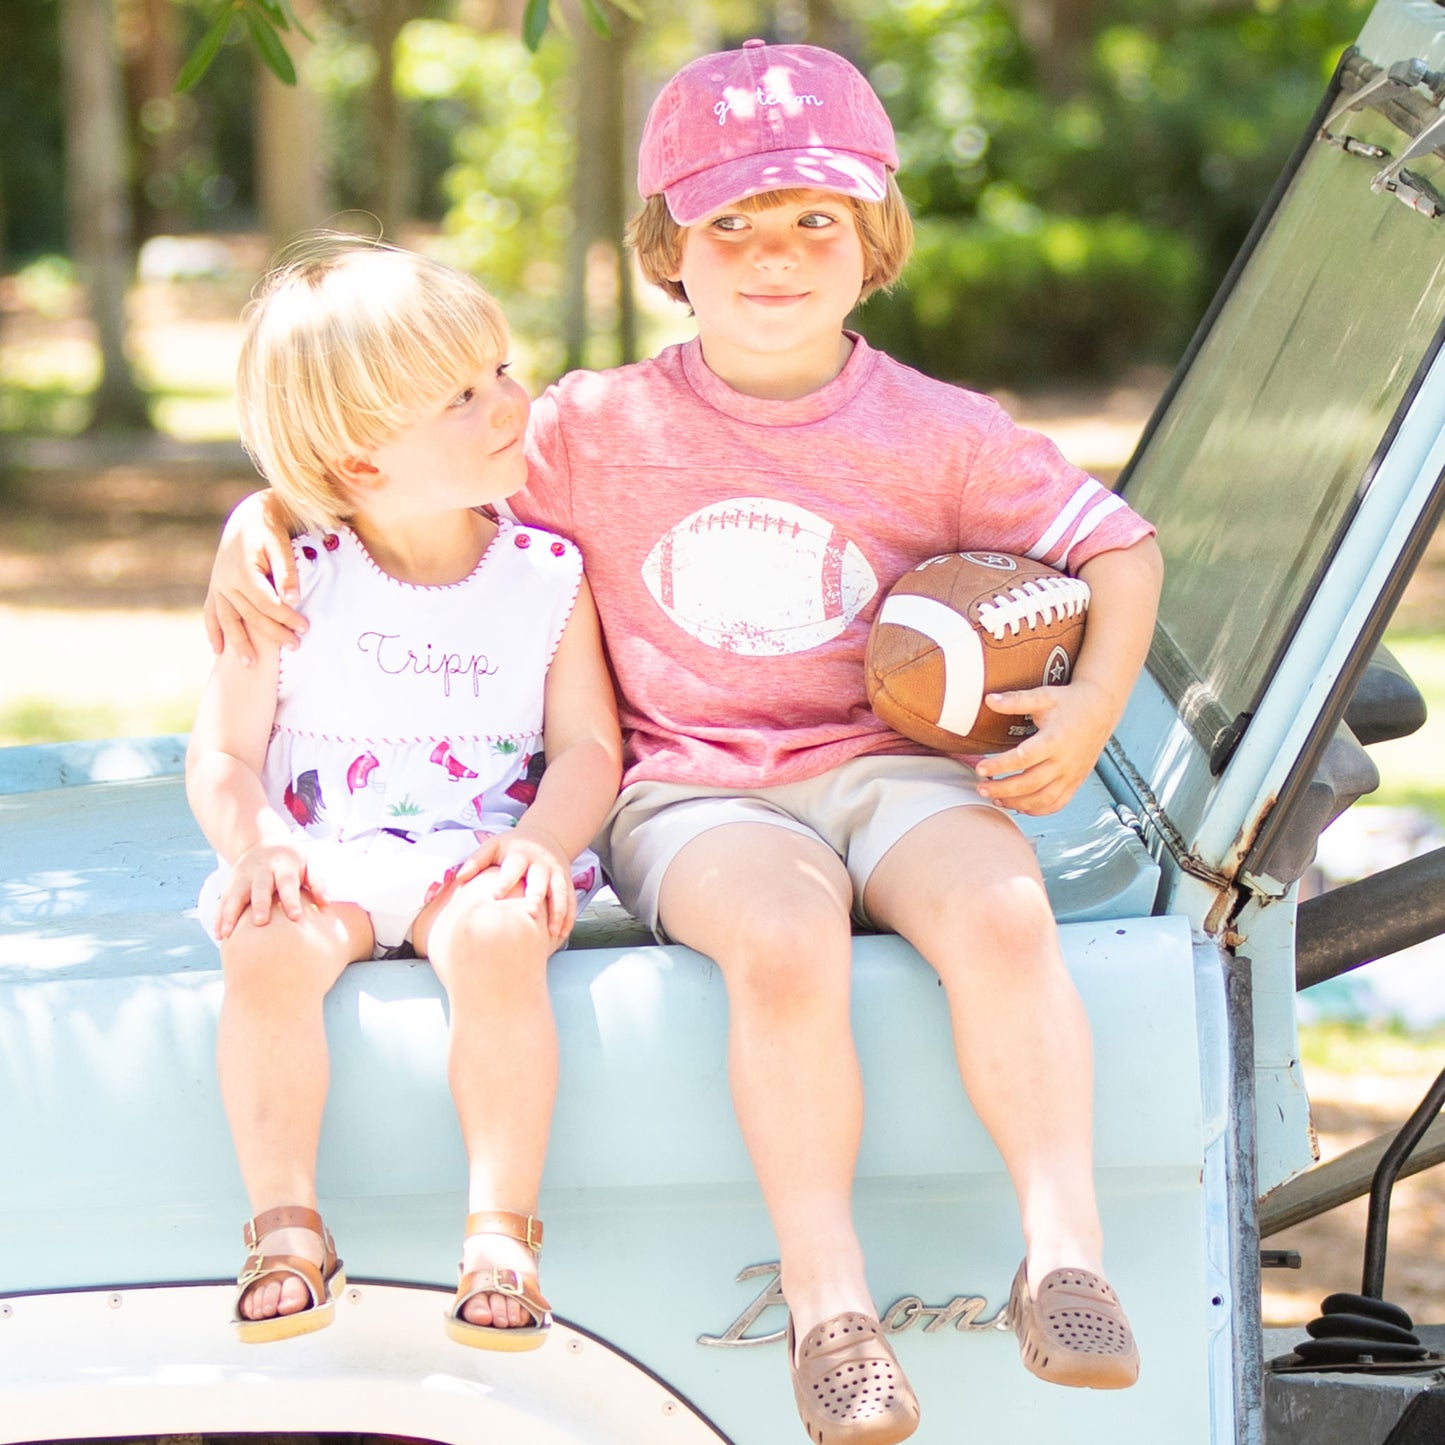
point(1350, 1108)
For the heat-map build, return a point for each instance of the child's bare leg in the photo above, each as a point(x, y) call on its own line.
point(273, 1067)
point(771, 908)
point(963, 887)
point(491, 956)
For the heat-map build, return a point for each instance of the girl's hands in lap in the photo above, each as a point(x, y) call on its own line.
point(530, 866)
point(264, 873)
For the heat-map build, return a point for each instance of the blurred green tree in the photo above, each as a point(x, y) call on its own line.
point(1084, 171)
point(98, 211)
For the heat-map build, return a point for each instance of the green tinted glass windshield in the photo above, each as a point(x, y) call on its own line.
point(1272, 436)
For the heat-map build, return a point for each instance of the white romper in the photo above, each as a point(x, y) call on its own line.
point(409, 721)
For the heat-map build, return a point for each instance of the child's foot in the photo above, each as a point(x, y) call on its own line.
point(848, 1385)
point(498, 1305)
point(281, 1294)
point(482, 1252)
point(1072, 1330)
point(291, 1277)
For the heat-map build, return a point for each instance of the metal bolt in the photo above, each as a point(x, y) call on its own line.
point(6, 1311)
point(353, 1296)
point(115, 1301)
point(574, 1347)
point(669, 1407)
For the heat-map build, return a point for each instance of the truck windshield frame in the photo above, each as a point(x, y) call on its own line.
point(1256, 461)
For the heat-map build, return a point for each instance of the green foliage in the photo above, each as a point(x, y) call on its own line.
point(1014, 296)
point(1179, 118)
point(34, 214)
point(265, 21)
point(508, 217)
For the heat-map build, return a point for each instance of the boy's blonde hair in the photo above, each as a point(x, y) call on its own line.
point(885, 227)
point(346, 342)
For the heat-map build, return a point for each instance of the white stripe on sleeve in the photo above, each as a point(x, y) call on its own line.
point(1091, 519)
point(1065, 519)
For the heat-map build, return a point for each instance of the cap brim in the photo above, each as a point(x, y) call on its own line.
point(816, 168)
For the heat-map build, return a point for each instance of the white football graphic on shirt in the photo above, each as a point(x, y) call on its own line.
point(758, 577)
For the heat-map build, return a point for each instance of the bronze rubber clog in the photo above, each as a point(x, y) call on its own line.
point(1075, 1332)
point(848, 1384)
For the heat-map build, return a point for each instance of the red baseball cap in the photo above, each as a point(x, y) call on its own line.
point(764, 118)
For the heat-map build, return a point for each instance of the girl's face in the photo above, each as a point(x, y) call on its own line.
point(773, 282)
point(465, 452)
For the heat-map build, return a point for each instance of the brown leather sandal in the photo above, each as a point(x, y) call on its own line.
point(323, 1283)
point(520, 1287)
point(848, 1384)
point(1075, 1333)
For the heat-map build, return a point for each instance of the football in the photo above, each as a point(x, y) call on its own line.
point(963, 625)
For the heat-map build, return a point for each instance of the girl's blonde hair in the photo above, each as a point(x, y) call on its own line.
point(885, 228)
point(347, 341)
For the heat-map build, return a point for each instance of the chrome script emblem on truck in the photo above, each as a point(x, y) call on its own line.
point(962, 1312)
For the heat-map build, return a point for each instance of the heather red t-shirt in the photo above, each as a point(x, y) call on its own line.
point(739, 548)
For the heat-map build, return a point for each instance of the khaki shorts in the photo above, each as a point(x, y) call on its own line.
point(860, 810)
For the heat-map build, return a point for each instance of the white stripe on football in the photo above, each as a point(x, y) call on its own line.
point(961, 649)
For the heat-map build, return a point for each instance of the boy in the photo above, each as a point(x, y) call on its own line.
point(714, 491)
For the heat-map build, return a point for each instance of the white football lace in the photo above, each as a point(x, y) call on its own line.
point(1033, 603)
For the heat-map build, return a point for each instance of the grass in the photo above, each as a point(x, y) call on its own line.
point(1412, 769)
point(46, 720)
point(50, 364)
point(1378, 1049)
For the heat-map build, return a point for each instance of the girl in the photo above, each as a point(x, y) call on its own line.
point(448, 655)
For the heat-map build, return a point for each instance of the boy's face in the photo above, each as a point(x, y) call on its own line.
point(773, 281)
point(464, 452)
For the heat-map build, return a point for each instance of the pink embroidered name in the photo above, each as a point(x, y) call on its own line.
point(394, 658)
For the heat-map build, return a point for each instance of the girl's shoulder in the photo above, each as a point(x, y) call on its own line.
point(534, 550)
point(319, 557)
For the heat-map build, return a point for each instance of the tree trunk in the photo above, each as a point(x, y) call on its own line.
point(290, 151)
point(1057, 35)
point(599, 280)
point(97, 197)
point(158, 119)
point(386, 127)
point(826, 27)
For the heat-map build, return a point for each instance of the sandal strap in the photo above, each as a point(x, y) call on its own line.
point(505, 1282)
point(524, 1227)
point(284, 1216)
point(292, 1216)
point(260, 1266)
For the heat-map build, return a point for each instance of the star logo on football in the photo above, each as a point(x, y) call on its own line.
point(999, 561)
point(1056, 669)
